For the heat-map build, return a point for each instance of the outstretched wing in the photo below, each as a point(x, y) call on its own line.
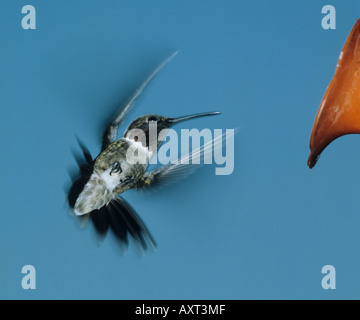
point(110, 132)
point(182, 167)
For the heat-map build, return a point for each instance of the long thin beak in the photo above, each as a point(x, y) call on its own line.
point(180, 119)
point(339, 111)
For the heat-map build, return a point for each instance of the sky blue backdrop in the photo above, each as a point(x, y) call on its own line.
point(264, 232)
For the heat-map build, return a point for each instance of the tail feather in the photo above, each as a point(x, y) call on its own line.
point(100, 222)
point(134, 226)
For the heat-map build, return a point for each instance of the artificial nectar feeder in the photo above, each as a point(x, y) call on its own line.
point(339, 111)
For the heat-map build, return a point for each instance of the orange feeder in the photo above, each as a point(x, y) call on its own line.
point(339, 111)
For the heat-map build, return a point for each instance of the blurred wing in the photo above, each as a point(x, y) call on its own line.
point(182, 167)
point(110, 132)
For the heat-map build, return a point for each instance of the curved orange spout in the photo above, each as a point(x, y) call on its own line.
point(339, 111)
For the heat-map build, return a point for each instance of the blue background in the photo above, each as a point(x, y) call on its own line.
point(263, 232)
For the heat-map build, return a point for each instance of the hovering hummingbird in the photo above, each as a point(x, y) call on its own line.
point(95, 194)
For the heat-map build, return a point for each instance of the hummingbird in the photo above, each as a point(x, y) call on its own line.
point(95, 193)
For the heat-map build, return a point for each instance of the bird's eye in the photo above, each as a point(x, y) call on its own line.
point(115, 167)
point(152, 118)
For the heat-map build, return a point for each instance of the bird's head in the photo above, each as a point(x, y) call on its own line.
point(151, 129)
